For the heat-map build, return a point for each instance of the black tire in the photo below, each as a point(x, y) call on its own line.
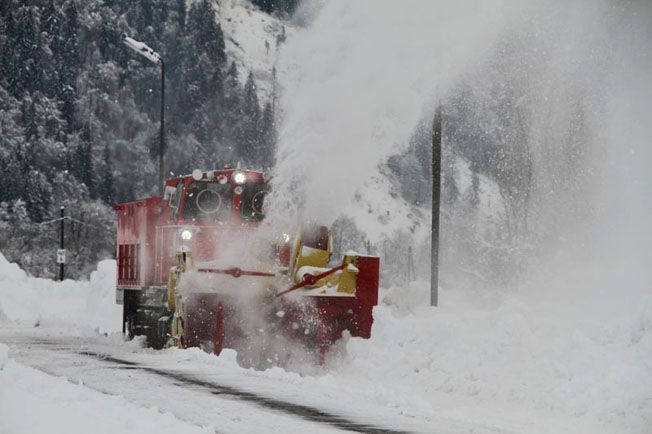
point(153, 322)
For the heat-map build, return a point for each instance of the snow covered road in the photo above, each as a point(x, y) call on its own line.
point(189, 387)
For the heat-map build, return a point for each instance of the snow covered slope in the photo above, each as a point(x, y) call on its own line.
point(252, 38)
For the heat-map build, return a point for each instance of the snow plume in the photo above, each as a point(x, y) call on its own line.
point(568, 78)
point(357, 80)
point(575, 76)
point(589, 104)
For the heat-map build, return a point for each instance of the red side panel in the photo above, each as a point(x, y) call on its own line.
point(136, 237)
point(354, 314)
point(366, 295)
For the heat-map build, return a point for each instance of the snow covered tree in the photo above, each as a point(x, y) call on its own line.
point(474, 196)
point(29, 120)
point(204, 67)
point(450, 190)
point(37, 194)
point(278, 6)
point(26, 51)
point(231, 115)
point(180, 9)
point(67, 61)
point(144, 17)
point(50, 20)
point(50, 27)
point(249, 134)
point(82, 160)
point(268, 137)
point(7, 61)
point(206, 33)
point(106, 187)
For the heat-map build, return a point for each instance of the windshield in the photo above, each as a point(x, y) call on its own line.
point(208, 201)
point(253, 202)
point(175, 200)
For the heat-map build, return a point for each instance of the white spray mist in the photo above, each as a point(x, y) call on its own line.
point(356, 81)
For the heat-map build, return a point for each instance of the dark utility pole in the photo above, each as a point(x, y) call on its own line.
point(436, 192)
point(61, 263)
point(161, 167)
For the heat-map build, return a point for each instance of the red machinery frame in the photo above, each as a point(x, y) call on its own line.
point(148, 239)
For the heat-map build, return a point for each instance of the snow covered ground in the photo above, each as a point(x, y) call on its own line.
point(492, 364)
point(34, 402)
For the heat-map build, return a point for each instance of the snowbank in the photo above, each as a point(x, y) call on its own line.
point(33, 402)
point(503, 350)
point(83, 306)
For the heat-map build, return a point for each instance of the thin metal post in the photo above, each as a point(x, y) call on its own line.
point(61, 265)
point(161, 166)
point(411, 274)
point(436, 191)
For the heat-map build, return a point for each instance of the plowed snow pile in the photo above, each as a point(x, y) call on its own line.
point(506, 351)
point(80, 306)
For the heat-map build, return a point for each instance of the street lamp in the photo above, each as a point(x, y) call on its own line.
point(153, 57)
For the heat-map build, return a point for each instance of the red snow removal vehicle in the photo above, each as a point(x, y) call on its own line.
point(196, 269)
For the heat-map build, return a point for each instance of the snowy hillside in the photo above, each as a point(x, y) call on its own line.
point(252, 40)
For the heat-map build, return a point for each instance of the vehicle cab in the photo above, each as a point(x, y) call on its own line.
point(219, 197)
point(208, 212)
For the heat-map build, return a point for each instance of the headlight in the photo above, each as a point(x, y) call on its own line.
point(186, 234)
point(239, 177)
point(286, 237)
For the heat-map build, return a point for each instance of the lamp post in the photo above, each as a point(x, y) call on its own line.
point(153, 57)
